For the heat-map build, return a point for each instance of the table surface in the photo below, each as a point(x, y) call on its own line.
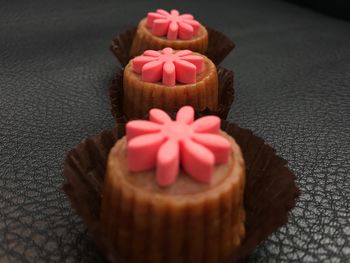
point(292, 80)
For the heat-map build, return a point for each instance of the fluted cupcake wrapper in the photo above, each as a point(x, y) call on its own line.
point(145, 226)
point(225, 95)
point(144, 40)
point(270, 190)
point(219, 46)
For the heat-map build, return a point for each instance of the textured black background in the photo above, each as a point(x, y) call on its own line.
point(292, 88)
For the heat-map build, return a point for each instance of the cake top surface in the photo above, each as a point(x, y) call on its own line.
point(169, 66)
point(165, 144)
point(172, 25)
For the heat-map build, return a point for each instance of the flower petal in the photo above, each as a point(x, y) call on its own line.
point(167, 51)
point(185, 115)
point(140, 127)
point(217, 144)
point(185, 31)
point(185, 71)
point(160, 27)
point(172, 31)
point(174, 12)
point(159, 116)
point(169, 74)
point(207, 124)
point(197, 161)
point(168, 159)
point(152, 53)
point(151, 16)
point(142, 151)
point(198, 61)
point(162, 12)
point(183, 53)
point(195, 24)
point(187, 16)
point(152, 71)
point(139, 62)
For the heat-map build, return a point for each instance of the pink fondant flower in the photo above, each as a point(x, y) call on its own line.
point(165, 144)
point(169, 66)
point(172, 25)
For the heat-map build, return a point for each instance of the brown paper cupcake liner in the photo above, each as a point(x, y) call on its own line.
point(226, 95)
point(219, 46)
point(270, 191)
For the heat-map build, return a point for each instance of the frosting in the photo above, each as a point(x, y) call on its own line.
point(168, 66)
point(172, 25)
point(165, 144)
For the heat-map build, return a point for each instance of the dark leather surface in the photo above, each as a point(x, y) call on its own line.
point(292, 88)
point(335, 8)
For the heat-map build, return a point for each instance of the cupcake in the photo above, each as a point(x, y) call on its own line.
point(173, 191)
point(169, 79)
point(162, 29)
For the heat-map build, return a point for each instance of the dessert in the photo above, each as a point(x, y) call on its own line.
point(162, 29)
point(169, 79)
point(173, 191)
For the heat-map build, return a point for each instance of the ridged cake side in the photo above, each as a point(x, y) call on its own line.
point(152, 227)
point(141, 96)
point(144, 40)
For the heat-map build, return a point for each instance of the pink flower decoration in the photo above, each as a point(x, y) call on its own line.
point(164, 144)
point(172, 25)
point(169, 66)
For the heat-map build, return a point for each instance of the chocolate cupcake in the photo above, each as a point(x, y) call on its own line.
point(162, 29)
point(169, 79)
point(173, 191)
